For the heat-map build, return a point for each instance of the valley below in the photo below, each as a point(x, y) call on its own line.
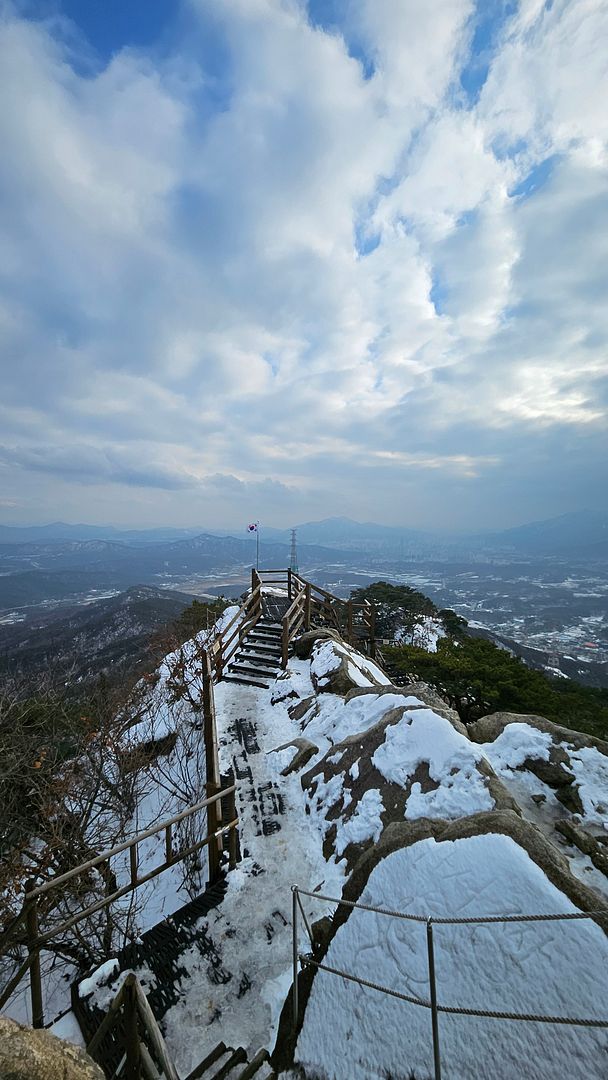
point(61, 594)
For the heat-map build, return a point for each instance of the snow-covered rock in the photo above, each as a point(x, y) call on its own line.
point(415, 761)
point(352, 1033)
point(572, 764)
point(336, 668)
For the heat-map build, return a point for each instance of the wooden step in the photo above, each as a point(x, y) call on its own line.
point(249, 660)
point(237, 1057)
point(254, 1065)
point(246, 681)
point(210, 1060)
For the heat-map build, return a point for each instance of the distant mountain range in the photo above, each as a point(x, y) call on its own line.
point(585, 531)
point(107, 636)
point(53, 568)
point(52, 562)
point(59, 530)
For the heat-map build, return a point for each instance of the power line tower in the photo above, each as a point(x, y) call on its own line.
point(293, 558)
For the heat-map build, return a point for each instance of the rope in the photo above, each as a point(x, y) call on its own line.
point(437, 919)
point(365, 982)
point(454, 1010)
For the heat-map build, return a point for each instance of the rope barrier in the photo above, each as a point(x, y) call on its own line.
point(453, 1009)
point(439, 919)
point(364, 982)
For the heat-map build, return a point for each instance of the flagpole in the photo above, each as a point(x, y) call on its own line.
point(257, 547)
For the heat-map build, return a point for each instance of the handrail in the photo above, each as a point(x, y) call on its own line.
point(248, 614)
point(52, 883)
point(28, 916)
point(291, 622)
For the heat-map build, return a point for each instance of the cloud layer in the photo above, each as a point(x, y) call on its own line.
point(306, 259)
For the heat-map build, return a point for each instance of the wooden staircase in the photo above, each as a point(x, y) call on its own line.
point(129, 1044)
point(226, 1063)
point(257, 661)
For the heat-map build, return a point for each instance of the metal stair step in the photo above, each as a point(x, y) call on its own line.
point(265, 673)
point(262, 647)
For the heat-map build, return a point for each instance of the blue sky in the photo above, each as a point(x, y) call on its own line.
point(278, 259)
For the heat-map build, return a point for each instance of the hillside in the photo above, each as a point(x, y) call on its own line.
point(354, 787)
point(108, 636)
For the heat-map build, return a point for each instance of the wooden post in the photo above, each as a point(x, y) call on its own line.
point(212, 764)
point(133, 864)
point(349, 621)
point(289, 582)
point(31, 924)
point(132, 1047)
point(307, 606)
point(233, 836)
point(285, 639)
point(153, 1032)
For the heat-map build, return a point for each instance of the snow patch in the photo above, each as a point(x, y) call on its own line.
point(424, 737)
point(365, 824)
point(515, 744)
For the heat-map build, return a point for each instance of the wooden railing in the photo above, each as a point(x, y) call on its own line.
point(226, 643)
point(312, 605)
point(133, 1026)
point(24, 928)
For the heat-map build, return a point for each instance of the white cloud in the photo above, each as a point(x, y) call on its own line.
point(315, 271)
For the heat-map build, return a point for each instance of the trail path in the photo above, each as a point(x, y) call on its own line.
point(251, 930)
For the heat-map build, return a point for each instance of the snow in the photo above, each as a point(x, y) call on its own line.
point(354, 1033)
point(294, 682)
point(350, 1032)
point(519, 742)
point(338, 719)
point(327, 656)
point(365, 824)
point(252, 928)
point(423, 736)
point(515, 744)
point(425, 633)
point(590, 768)
point(100, 977)
point(327, 793)
point(356, 675)
point(67, 1028)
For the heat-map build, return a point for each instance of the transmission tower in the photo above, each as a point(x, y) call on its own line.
point(293, 559)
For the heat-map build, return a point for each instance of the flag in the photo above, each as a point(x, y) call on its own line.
point(253, 527)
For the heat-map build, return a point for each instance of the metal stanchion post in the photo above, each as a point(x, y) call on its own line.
point(433, 989)
point(294, 927)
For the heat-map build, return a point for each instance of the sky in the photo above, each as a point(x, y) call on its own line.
point(284, 260)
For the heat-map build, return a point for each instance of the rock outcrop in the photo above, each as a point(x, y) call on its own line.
point(28, 1054)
